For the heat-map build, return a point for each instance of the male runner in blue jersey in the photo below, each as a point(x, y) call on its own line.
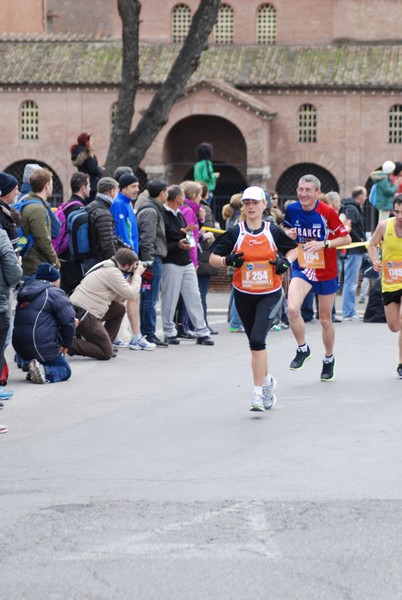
point(318, 230)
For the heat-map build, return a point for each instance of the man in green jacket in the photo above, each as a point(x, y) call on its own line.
point(36, 222)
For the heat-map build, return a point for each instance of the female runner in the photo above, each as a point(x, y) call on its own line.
point(260, 252)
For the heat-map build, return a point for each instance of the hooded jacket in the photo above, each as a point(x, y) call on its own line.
point(44, 321)
point(385, 190)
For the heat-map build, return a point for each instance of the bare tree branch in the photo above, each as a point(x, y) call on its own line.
point(130, 148)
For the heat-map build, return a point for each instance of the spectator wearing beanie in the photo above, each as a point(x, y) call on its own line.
point(126, 228)
point(44, 327)
point(26, 186)
point(10, 218)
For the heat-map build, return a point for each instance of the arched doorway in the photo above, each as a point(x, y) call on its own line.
point(287, 182)
point(229, 154)
point(17, 169)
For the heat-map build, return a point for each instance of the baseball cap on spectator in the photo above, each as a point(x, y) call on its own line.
point(388, 167)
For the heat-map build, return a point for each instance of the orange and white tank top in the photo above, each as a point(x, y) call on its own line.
point(391, 278)
point(256, 275)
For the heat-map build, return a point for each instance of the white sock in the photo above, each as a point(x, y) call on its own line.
point(328, 359)
point(303, 347)
point(258, 389)
point(136, 337)
point(267, 380)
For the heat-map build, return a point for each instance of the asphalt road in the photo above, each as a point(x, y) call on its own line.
point(147, 478)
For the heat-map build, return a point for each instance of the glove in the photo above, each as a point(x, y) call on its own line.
point(281, 264)
point(234, 260)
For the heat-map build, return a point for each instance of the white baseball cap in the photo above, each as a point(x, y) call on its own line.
point(253, 193)
point(388, 167)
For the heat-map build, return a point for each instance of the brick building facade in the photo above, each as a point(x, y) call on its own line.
point(285, 87)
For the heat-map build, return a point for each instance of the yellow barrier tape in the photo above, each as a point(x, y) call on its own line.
point(352, 245)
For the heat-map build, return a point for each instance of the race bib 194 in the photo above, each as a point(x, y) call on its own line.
point(310, 260)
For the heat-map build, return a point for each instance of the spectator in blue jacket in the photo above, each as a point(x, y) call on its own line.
point(44, 327)
point(122, 210)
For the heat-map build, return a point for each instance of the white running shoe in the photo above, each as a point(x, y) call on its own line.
point(257, 403)
point(268, 395)
point(36, 372)
point(141, 344)
point(119, 344)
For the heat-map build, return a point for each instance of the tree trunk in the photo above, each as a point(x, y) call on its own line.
point(129, 11)
point(130, 148)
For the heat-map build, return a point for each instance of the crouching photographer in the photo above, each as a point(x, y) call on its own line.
point(99, 303)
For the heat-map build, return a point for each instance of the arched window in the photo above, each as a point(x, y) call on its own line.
point(181, 21)
point(29, 120)
point(307, 123)
point(395, 124)
point(224, 27)
point(266, 24)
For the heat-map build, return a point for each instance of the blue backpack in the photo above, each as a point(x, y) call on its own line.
point(78, 234)
point(25, 243)
point(373, 195)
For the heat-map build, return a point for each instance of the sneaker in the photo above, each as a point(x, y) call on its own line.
point(185, 334)
point(3, 429)
point(153, 339)
point(399, 371)
point(268, 395)
point(277, 327)
point(236, 329)
point(36, 372)
point(257, 403)
point(362, 300)
point(355, 317)
point(284, 325)
point(205, 340)
point(299, 360)
point(328, 371)
point(141, 344)
point(5, 394)
point(173, 340)
point(117, 344)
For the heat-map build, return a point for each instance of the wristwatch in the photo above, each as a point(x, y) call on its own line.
point(326, 244)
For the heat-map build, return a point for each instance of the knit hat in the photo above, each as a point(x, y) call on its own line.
point(388, 167)
point(127, 179)
point(47, 272)
point(7, 183)
point(106, 184)
point(29, 169)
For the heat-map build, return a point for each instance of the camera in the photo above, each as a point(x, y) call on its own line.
point(147, 263)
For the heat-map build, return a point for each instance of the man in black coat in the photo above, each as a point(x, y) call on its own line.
point(44, 327)
point(101, 223)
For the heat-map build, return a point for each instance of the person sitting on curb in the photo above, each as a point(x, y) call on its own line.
point(44, 327)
